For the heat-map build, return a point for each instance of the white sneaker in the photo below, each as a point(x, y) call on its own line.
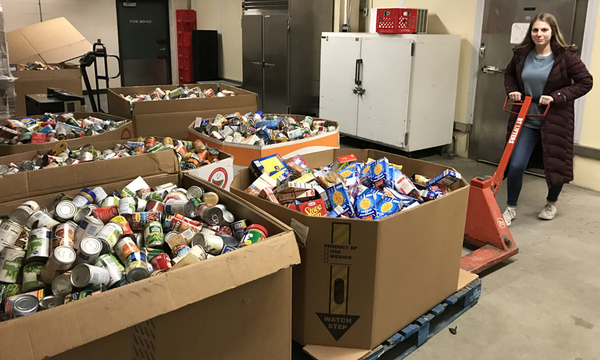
point(548, 212)
point(509, 215)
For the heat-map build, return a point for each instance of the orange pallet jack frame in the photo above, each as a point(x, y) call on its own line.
point(485, 227)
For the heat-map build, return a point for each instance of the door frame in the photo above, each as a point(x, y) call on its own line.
point(169, 72)
point(586, 56)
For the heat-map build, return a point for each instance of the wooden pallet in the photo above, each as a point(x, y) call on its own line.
point(407, 340)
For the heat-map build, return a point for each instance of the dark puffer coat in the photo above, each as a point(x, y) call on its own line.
point(568, 80)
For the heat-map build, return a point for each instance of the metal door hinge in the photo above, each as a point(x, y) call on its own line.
point(289, 23)
point(405, 139)
point(412, 49)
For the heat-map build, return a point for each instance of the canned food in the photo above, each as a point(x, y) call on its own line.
point(209, 214)
point(106, 213)
point(155, 205)
point(136, 267)
point(109, 235)
point(211, 197)
point(140, 205)
point(24, 305)
point(61, 260)
point(61, 285)
point(85, 196)
point(100, 195)
point(50, 301)
point(88, 251)
point(195, 192)
point(21, 214)
point(253, 234)
point(64, 235)
point(38, 247)
point(180, 223)
point(11, 260)
point(153, 234)
point(112, 265)
point(167, 142)
point(149, 142)
point(9, 233)
point(180, 249)
point(110, 201)
point(183, 207)
point(138, 220)
point(82, 213)
point(40, 219)
point(32, 279)
point(239, 228)
point(65, 210)
point(124, 248)
point(124, 224)
point(89, 226)
point(211, 244)
point(85, 274)
point(161, 262)
point(126, 205)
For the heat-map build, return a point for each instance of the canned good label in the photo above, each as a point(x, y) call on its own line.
point(10, 264)
point(39, 243)
point(32, 276)
point(111, 233)
point(125, 247)
point(136, 260)
point(40, 219)
point(9, 233)
point(64, 234)
point(161, 262)
point(115, 269)
point(153, 234)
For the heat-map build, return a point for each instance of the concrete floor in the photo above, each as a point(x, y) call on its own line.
point(543, 302)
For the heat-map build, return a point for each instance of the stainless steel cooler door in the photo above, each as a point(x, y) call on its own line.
point(276, 63)
point(252, 63)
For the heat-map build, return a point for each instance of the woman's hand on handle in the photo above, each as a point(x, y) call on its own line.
point(546, 99)
point(514, 96)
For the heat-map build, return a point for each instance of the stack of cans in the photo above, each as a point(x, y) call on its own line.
point(259, 129)
point(190, 154)
point(53, 127)
point(181, 92)
point(97, 240)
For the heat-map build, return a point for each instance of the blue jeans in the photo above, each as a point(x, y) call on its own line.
point(518, 163)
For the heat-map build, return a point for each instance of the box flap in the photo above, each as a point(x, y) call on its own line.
point(465, 278)
point(334, 353)
point(53, 41)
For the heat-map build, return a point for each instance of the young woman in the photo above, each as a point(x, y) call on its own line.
point(544, 67)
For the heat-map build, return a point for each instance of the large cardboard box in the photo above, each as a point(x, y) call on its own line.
point(172, 117)
point(124, 132)
point(241, 298)
point(38, 182)
point(38, 81)
point(361, 281)
point(244, 154)
point(52, 42)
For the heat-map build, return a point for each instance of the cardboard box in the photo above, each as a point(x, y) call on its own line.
point(38, 81)
point(51, 42)
point(37, 182)
point(241, 298)
point(361, 281)
point(124, 132)
point(244, 154)
point(172, 117)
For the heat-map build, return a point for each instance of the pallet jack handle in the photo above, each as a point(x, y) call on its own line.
point(510, 146)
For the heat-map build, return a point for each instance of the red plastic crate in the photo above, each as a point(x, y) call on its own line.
point(401, 21)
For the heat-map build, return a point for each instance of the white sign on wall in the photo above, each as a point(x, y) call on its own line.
point(518, 32)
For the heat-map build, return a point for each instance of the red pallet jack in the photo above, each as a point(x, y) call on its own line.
point(485, 227)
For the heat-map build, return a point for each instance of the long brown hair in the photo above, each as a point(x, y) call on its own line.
point(557, 35)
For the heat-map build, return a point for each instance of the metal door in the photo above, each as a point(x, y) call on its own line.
point(338, 72)
point(144, 47)
point(252, 63)
point(505, 21)
point(276, 63)
point(385, 77)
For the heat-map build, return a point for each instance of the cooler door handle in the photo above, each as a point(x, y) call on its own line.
point(357, 72)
